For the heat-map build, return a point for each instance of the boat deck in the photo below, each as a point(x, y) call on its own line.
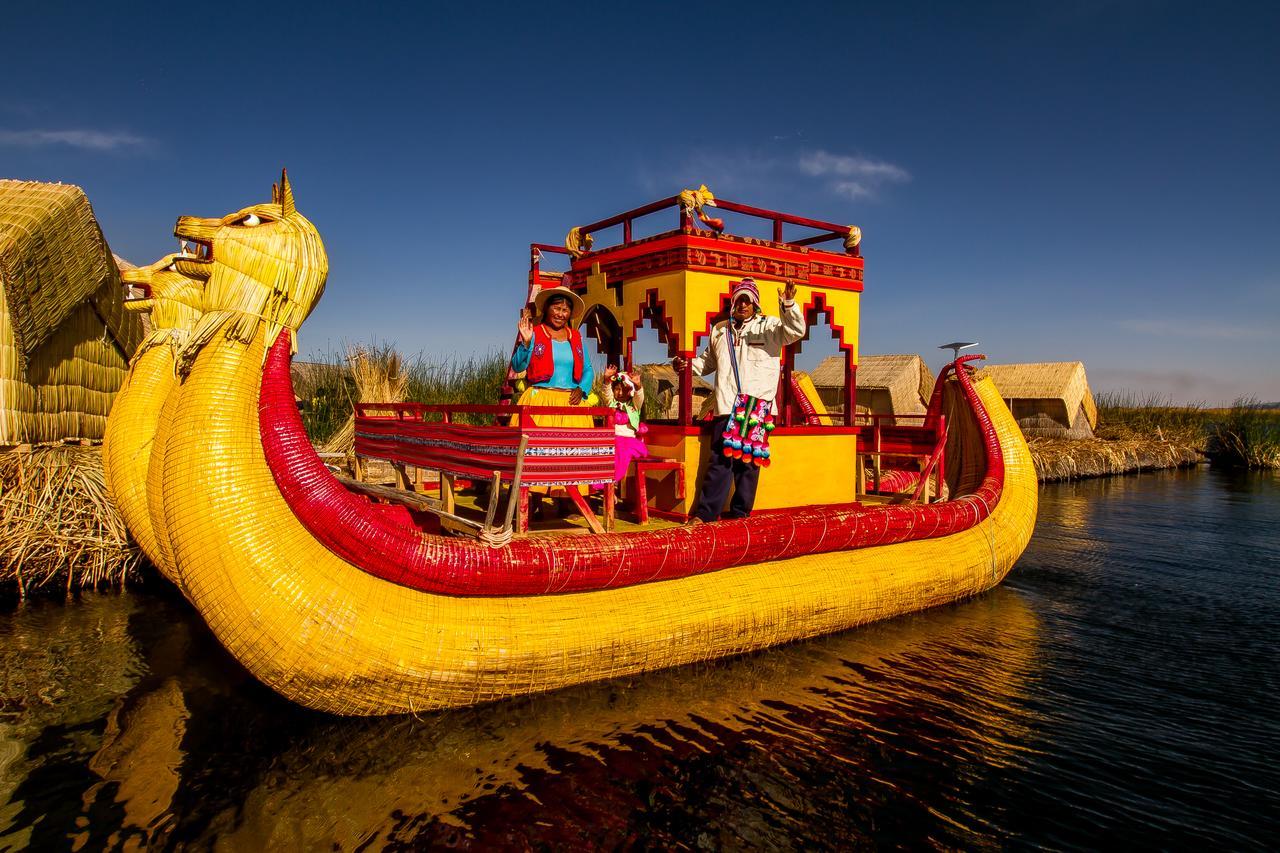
point(470, 504)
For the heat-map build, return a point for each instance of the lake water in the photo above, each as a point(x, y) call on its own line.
point(1121, 688)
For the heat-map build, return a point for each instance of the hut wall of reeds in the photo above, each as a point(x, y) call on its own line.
point(887, 384)
point(667, 386)
point(65, 338)
point(1048, 399)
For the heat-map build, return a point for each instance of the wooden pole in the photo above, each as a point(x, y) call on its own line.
point(495, 491)
point(513, 496)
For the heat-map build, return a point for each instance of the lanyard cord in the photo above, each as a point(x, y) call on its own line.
point(733, 356)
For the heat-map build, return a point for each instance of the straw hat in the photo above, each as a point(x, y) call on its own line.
point(576, 305)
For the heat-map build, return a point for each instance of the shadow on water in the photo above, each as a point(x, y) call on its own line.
point(1119, 686)
point(176, 744)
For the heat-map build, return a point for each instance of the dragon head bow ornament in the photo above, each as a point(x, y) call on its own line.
point(262, 263)
point(172, 299)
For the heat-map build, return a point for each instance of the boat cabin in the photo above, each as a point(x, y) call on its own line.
point(679, 281)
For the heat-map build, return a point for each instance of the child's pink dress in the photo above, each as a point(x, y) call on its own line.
point(627, 429)
point(627, 444)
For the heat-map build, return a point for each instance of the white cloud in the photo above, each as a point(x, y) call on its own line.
point(90, 140)
point(849, 175)
point(824, 163)
point(851, 189)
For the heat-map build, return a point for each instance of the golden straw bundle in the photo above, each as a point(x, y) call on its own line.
point(380, 377)
point(57, 525)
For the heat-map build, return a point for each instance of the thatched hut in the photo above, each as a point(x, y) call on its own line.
point(65, 338)
point(887, 384)
point(665, 384)
point(1049, 400)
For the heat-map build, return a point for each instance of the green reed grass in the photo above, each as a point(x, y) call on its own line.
point(1246, 436)
point(329, 391)
point(1126, 415)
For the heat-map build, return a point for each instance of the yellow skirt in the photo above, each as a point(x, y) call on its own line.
point(551, 397)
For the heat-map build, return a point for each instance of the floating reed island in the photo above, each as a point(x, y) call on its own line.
point(1136, 433)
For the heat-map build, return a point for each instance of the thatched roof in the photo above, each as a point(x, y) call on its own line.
point(53, 259)
point(661, 372)
point(906, 377)
point(1055, 380)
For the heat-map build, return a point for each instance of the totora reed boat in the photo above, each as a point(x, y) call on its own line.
point(358, 598)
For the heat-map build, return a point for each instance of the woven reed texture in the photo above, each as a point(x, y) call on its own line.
point(1062, 383)
point(906, 379)
point(271, 273)
point(64, 334)
point(809, 400)
point(174, 308)
point(331, 635)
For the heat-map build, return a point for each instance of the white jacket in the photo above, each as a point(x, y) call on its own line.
point(758, 347)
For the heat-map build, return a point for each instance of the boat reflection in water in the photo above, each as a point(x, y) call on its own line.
point(907, 725)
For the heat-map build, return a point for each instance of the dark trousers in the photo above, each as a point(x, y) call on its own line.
point(721, 473)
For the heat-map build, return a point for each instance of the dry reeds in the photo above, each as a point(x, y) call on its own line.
point(57, 527)
point(378, 377)
point(1072, 459)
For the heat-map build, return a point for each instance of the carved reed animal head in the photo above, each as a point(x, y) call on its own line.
point(173, 299)
point(265, 260)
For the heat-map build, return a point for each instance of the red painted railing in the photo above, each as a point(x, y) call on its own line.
point(832, 231)
point(554, 456)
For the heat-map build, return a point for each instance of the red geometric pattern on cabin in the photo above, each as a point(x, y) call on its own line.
point(655, 310)
point(715, 255)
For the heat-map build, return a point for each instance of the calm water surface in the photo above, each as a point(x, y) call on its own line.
point(1120, 688)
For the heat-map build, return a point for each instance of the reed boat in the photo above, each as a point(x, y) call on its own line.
point(359, 598)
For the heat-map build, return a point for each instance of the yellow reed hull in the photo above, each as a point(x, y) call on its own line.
point(332, 637)
point(128, 443)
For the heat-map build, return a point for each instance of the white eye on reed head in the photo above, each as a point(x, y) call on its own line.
point(251, 219)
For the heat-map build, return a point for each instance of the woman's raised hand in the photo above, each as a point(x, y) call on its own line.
point(525, 328)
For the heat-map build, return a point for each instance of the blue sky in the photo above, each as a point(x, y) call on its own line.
point(1095, 181)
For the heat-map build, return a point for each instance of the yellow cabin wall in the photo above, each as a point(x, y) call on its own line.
point(806, 469)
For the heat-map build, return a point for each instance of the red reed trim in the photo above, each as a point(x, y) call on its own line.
point(386, 546)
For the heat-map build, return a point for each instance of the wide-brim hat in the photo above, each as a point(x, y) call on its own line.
point(576, 306)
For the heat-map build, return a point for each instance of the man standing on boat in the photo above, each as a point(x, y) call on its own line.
point(744, 352)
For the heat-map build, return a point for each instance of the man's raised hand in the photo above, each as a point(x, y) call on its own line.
point(788, 293)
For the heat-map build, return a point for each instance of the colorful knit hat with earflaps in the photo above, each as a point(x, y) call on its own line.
point(747, 286)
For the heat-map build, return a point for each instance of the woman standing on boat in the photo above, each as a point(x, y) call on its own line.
point(551, 353)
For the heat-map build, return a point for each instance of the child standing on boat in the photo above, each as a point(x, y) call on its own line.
point(624, 393)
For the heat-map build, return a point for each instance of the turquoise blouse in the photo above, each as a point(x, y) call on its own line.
point(562, 363)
